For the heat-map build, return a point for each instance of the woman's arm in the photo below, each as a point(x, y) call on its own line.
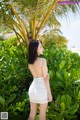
point(46, 78)
point(47, 83)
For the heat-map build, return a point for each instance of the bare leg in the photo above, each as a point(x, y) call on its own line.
point(43, 108)
point(33, 111)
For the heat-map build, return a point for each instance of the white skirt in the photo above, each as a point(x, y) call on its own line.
point(37, 91)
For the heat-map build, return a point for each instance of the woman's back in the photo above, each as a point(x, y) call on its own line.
point(37, 68)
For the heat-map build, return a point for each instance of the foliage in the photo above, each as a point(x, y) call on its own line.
point(55, 37)
point(15, 78)
point(64, 70)
point(28, 17)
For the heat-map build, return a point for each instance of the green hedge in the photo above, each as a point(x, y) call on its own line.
point(15, 78)
point(64, 70)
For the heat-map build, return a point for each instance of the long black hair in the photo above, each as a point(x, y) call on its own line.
point(32, 51)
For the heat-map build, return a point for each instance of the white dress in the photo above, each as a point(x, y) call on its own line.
point(37, 91)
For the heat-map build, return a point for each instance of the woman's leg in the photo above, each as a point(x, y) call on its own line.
point(33, 111)
point(43, 108)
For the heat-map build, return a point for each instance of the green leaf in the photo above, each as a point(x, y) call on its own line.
point(59, 75)
point(2, 100)
point(11, 98)
point(62, 106)
point(73, 108)
point(52, 74)
point(62, 64)
point(79, 95)
point(66, 75)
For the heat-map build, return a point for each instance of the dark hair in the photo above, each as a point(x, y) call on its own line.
point(32, 51)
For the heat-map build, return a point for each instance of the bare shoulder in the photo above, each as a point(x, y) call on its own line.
point(44, 60)
point(41, 58)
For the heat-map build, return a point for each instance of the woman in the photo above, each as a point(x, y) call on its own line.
point(39, 91)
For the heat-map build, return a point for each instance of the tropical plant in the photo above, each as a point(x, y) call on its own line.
point(15, 78)
point(64, 70)
point(27, 18)
point(54, 37)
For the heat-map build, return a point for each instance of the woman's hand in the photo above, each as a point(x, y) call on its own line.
point(49, 97)
point(47, 76)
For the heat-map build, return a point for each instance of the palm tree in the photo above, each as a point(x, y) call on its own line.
point(28, 17)
point(55, 37)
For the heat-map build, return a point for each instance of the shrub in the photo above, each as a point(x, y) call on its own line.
point(64, 70)
point(14, 79)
